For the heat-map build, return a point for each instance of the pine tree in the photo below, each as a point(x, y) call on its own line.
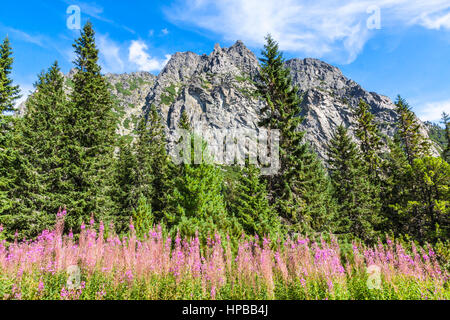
point(184, 121)
point(143, 217)
point(151, 148)
point(427, 210)
point(300, 191)
point(446, 123)
point(9, 93)
point(195, 201)
point(395, 184)
point(92, 134)
point(125, 181)
point(414, 144)
point(251, 206)
point(369, 136)
point(9, 158)
point(40, 190)
point(358, 211)
point(142, 170)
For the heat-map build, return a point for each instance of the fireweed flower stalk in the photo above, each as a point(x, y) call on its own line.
point(156, 267)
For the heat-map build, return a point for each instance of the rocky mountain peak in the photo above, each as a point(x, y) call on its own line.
point(310, 73)
point(217, 91)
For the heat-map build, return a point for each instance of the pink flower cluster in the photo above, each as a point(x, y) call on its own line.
point(129, 258)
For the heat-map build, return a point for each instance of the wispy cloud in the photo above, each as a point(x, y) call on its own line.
point(139, 56)
point(432, 111)
point(24, 36)
point(321, 28)
point(110, 58)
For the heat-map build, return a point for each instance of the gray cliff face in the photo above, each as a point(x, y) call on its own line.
point(213, 90)
point(217, 92)
point(329, 99)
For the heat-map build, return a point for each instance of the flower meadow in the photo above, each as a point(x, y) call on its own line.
point(158, 267)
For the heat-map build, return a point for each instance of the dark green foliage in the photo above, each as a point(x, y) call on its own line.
point(394, 185)
point(446, 145)
point(358, 211)
point(251, 206)
point(184, 121)
point(143, 168)
point(411, 139)
point(10, 162)
point(91, 131)
point(195, 202)
point(9, 93)
point(415, 196)
point(42, 147)
point(437, 134)
point(151, 149)
point(370, 142)
point(423, 207)
point(143, 217)
point(300, 191)
point(125, 180)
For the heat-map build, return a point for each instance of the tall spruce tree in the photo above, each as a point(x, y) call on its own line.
point(370, 140)
point(143, 218)
point(92, 135)
point(125, 181)
point(142, 170)
point(414, 144)
point(42, 146)
point(358, 211)
point(9, 93)
point(251, 206)
point(394, 184)
point(300, 191)
point(152, 143)
point(446, 123)
point(195, 201)
point(426, 208)
point(9, 161)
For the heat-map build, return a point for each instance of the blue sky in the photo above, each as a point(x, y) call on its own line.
point(388, 46)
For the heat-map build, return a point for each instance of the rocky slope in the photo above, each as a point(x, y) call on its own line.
point(217, 91)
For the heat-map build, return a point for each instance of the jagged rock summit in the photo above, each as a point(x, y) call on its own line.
point(218, 91)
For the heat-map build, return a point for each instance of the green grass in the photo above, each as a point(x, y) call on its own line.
point(117, 286)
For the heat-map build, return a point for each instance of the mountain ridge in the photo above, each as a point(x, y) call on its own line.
point(216, 91)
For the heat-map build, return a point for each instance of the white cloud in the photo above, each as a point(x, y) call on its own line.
point(23, 36)
point(321, 28)
point(110, 55)
point(165, 31)
point(139, 56)
point(436, 21)
point(433, 111)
